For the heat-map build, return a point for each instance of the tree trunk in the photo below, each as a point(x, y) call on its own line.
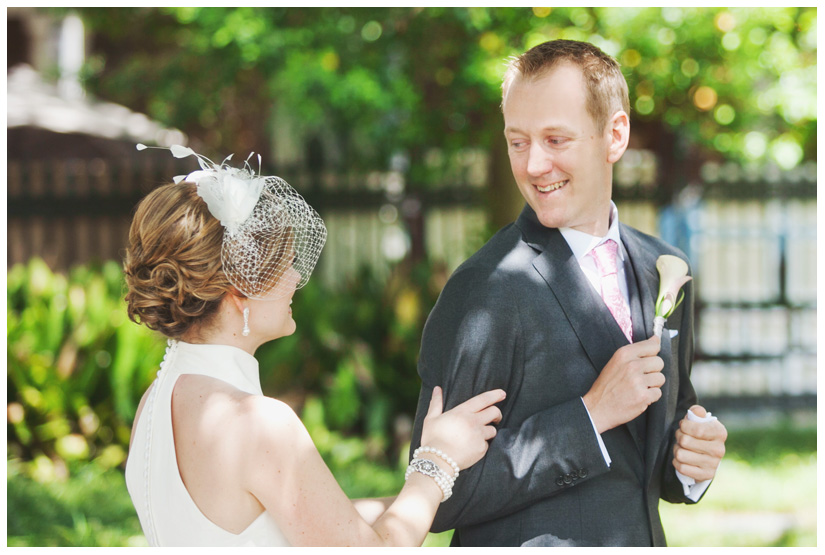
point(504, 201)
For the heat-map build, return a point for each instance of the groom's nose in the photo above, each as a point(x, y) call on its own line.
point(539, 161)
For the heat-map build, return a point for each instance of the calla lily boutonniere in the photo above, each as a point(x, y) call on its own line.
point(672, 276)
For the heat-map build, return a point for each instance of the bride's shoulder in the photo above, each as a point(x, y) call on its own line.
point(268, 419)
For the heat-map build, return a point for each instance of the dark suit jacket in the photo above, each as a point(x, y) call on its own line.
point(520, 315)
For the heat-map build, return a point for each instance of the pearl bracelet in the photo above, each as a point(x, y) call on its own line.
point(431, 469)
point(438, 453)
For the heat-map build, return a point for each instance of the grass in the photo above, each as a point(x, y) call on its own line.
point(764, 495)
point(771, 504)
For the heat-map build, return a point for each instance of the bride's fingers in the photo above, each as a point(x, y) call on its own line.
point(483, 400)
point(490, 414)
point(489, 432)
point(436, 402)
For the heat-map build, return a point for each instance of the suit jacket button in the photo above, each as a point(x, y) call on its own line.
point(583, 473)
point(560, 481)
point(568, 479)
point(574, 475)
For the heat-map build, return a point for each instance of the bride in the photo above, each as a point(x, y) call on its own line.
point(213, 262)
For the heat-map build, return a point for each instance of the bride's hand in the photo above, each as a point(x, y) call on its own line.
point(463, 431)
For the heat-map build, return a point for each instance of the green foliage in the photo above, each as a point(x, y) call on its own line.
point(77, 366)
point(357, 347)
point(739, 81)
point(756, 446)
point(91, 509)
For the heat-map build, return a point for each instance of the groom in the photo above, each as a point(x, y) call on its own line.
point(557, 309)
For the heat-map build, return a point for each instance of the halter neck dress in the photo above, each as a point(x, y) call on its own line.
point(167, 513)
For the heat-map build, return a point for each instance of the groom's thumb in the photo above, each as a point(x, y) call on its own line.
point(699, 411)
point(436, 402)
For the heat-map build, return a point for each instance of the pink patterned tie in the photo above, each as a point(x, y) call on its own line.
point(605, 257)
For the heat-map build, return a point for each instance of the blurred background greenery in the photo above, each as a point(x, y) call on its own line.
point(413, 91)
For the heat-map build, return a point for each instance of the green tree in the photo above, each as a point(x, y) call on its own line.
point(725, 83)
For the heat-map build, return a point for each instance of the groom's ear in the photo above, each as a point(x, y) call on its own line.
point(618, 136)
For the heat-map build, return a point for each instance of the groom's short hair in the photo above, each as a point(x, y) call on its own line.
point(606, 87)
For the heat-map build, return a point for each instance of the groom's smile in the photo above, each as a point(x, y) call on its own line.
point(552, 187)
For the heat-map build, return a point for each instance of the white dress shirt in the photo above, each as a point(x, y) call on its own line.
point(581, 244)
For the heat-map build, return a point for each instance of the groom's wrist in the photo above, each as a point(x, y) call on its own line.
point(592, 410)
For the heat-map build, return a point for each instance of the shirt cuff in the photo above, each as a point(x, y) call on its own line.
point(607, 459)
point(693, 489)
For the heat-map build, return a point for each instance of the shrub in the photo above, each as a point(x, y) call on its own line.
point(77, 366)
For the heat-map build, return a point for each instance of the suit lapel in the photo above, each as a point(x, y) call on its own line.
point(638, 426)
point(643, 266)
point(584, 308)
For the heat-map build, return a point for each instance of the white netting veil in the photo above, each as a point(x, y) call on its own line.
point(277, 246)
point(272, 237)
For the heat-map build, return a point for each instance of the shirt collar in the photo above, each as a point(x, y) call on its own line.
point(582, 243)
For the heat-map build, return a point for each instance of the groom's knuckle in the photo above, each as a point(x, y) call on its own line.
point(623, 356)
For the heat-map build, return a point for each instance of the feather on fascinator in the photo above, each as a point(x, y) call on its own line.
point(269, 229)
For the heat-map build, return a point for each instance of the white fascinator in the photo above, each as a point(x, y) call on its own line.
point(272, 238)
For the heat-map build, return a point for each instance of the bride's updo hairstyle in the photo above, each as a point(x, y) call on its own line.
point(173, 262)
point(218, 230)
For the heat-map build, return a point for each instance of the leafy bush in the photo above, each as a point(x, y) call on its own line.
point(77, 366)
point(356, 348)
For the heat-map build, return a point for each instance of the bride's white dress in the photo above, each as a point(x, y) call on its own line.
point(167, 513)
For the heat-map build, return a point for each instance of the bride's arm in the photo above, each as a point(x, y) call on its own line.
point(372, 508)
point(285, 472)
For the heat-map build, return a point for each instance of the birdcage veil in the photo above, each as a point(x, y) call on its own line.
point(272, 237)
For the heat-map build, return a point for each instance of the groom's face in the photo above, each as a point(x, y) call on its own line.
point(559, 157)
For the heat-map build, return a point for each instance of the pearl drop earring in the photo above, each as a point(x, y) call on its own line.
point(245, 322)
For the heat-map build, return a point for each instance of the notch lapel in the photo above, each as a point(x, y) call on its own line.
point(643, 262)
point(589, 317)
point(637, 426)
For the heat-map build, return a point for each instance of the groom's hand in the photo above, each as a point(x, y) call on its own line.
point(629, 383)
point(699, 447)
